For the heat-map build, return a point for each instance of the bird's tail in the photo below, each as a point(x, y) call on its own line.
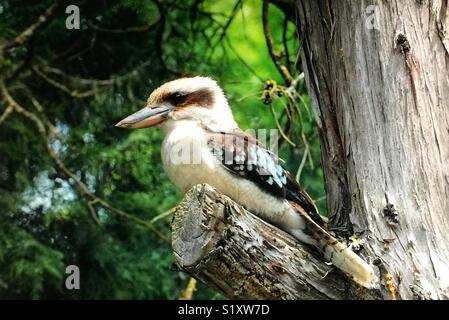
point(349, 262)
point(340, 255)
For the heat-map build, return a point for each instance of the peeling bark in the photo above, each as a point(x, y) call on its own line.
point(381, 99)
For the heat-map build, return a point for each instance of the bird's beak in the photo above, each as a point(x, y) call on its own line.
point(146, 117)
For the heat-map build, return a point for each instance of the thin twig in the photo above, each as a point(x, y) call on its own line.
point(279, 127)
point(6, 113)
point(95, 82)
point(243, 61)
point(303, 162)
point(28, 32)
point(270, 44)
point(73, 93)
point(230, 19)
point(163, 215)
point(55, 133)
point(285, 43)
point(187, 294)
point(93, 212)
point(143, 28)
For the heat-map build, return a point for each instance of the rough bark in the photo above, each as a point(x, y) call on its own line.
point(381, 99)
point(233, 251)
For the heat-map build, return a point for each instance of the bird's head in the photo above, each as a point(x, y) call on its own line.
point(197, 99)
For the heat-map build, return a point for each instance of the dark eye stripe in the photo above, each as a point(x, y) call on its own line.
point(177, 97)
point(203, 98)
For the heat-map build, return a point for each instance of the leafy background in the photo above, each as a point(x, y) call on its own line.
point(76, 190)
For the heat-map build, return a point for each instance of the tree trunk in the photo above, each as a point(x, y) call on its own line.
point(379, 82)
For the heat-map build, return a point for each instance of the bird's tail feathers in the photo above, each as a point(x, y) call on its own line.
point(349, 262)
point(340, 255)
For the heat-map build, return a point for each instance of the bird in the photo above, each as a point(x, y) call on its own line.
point(203, 144)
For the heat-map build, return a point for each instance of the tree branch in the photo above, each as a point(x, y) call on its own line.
point(143, 28)
point(270, 44)
point(28, 32)
point(73, 93)
point(231, 250)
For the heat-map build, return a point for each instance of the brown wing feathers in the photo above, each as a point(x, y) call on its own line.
point(245, 156)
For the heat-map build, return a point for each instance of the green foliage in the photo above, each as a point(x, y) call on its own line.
point(46, 221)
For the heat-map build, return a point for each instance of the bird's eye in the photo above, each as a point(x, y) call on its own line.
point(177, 97)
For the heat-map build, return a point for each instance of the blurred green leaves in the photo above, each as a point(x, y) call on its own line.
point(124, 50)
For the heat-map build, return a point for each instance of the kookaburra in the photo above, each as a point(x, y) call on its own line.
point(203, 144)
